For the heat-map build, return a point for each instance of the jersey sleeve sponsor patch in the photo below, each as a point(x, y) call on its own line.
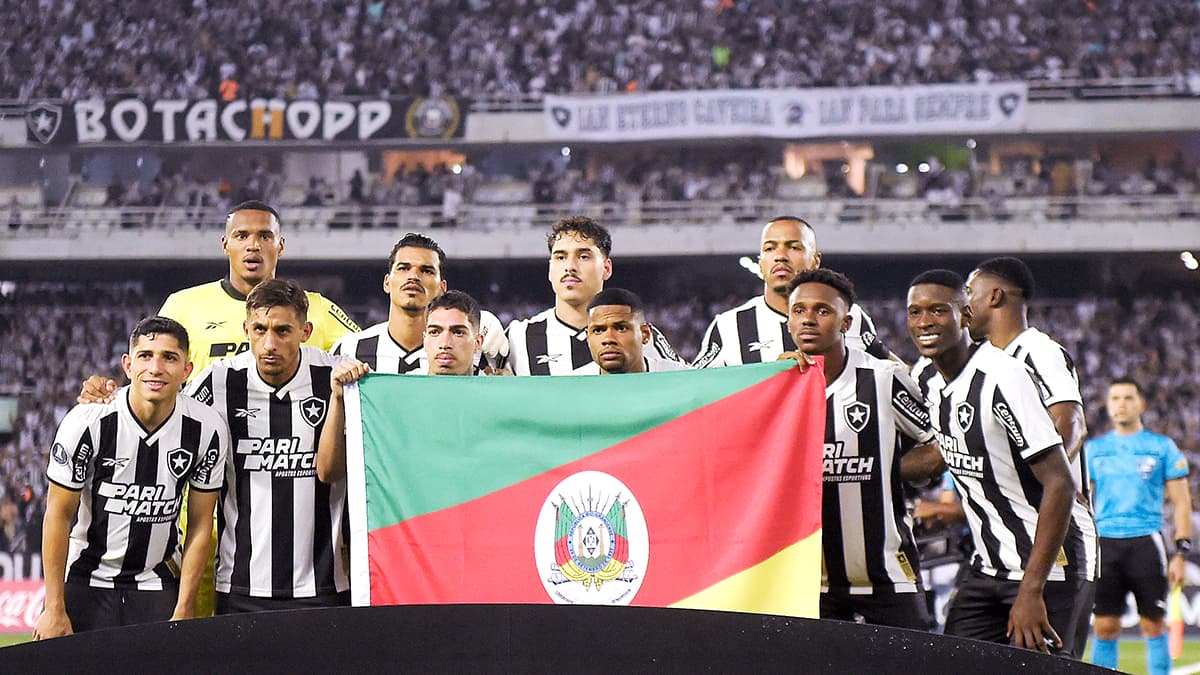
point(911, 408)
point(1012, 427)
point(341, 317)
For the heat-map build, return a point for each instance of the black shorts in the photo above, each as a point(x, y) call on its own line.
point(1137, 565)
point(899, 610)
point(981, 606)
point(232, 603)
point(92, 608)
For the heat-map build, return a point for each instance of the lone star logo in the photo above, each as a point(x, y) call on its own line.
point(178, 461)
point(313, 410)
point(43, 120)
point(966, 415)
point(857, 415)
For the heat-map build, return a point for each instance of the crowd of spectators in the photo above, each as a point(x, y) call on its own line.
point(328, 48)
point(59, 333)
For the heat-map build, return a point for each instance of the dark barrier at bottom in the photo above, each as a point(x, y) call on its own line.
point(519, 638)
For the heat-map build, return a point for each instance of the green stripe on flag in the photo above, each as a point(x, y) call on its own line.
point(408, 419)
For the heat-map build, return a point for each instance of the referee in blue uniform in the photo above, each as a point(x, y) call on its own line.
point(1130, 469)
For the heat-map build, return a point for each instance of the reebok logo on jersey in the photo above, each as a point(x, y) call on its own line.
point(964, 414)
point(759, 346)
point(838, 468)
point(313, 410)
point(114, 462)
point(249, 413)
point(958, 459)
point(143, 503)
point(210, 325)
point(1000, 409)
point(547, 358)
point(857, 415)
point(282, 457)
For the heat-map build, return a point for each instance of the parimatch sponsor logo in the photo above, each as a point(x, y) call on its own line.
point(282, 457)
point(840, 468)
point(958, 459)
point(143, 503)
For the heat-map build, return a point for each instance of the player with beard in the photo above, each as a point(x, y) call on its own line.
point(756, 331)
point(414, 280)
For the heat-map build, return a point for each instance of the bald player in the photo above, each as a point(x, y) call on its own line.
point(756, 331)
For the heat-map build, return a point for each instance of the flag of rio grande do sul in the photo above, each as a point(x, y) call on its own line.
point(696, 489)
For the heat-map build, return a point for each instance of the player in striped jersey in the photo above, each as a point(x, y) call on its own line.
point(877, 434)
point(452, 336)
point(756, 331)
point(1034, 542)
point(414, 278)
point(554, 342)
point(617, 334)
point(998, 291)
point(281, 537)
point(119, 470)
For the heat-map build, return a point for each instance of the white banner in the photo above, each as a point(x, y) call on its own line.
point(789, 113)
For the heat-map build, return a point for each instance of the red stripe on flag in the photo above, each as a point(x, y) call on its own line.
point(722, 487)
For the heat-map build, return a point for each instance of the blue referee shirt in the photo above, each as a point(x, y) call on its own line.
point(1130, 473)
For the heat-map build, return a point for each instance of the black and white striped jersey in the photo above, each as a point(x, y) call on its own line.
point(376, 348)
point(873, 415)
point(923, 372)
point(753, 332)
point(545, 345)
point(1058, 381)
point(992, 425)
point(280, 528)
point(131, 482)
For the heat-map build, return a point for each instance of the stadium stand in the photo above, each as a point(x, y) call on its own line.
point(60, 49)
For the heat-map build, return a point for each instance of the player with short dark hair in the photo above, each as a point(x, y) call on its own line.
point(281, 544)
point(617, 334)
point(877, 436)
point(554, 342)
point(1132, 469)
point(756, 330)
point(998, 293)
point(213, 312)
point(1034, 543)
point(414, 280)
point(118, 470)
point(452, 341)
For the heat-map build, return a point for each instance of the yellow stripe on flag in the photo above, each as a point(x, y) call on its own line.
point(788, 583)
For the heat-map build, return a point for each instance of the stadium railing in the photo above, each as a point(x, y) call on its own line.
point(33, 223)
